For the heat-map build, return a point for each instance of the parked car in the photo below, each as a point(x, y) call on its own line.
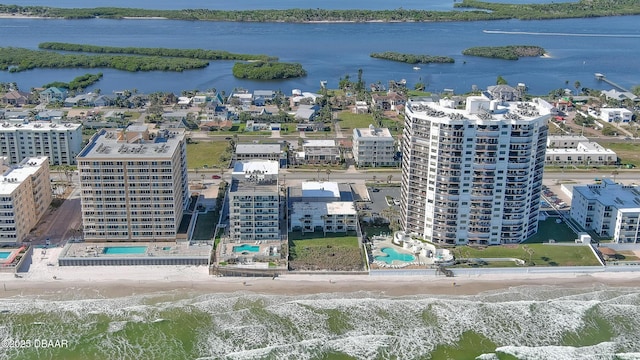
point(396, 201)
point(375, 190)
point(215, 176)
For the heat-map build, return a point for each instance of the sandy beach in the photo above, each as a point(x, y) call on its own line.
point(46, 278)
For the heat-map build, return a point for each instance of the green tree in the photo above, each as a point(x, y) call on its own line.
point(501, 81)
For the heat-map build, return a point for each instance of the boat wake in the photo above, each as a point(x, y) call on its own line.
point(560, 34)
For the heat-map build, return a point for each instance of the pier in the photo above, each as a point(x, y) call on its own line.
point(601, 77)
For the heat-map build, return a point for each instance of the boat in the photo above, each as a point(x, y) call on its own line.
point(416, 68)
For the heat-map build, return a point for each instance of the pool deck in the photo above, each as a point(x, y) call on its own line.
point(420, 261)
point(93, 254)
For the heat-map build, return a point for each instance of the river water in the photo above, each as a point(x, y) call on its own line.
point(577, 49)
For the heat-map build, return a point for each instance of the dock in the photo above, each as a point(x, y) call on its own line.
point(601, 77)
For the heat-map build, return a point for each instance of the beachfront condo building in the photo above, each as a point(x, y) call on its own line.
point(25, 195)
point(609, 209)
point(60, 142)
point(472, 175)
point(325, 207)
point(134, 184)
point(254, 201)
point(374, 147)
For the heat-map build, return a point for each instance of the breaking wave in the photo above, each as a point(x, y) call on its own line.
point(527, 322)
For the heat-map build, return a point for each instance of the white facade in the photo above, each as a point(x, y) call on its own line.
point(333, 216)
point(585, 153)
point(25, 195)
point(615, 115)
point(374, 147)
point(254, 201)
point(134, 185)
point(473, 176)
point(609, 209)
point(59, 142)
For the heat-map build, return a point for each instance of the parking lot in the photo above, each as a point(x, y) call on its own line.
point(378, 199)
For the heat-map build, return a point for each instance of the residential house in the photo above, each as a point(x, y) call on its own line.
point(272, 152)
point(615, 115)
point(503, 92)
point(53, 94)
point(15, 98)
point(306, 113)
point(103, 100)
point(49, 115)
point(390, 101)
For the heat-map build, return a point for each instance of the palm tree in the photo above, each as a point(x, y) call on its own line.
point(328, 173)
point(389, 179)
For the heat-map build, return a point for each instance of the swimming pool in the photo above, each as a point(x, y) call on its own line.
point(245, 248)
point(394, 255)
point(123, 250)
point(5, 254)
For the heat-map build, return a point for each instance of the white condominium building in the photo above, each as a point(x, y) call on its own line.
point(134, 184)
point(609, 209)
point(374, 147)
point(473, 175)
point(254, 201)
point(59, 142)
point(25, 195)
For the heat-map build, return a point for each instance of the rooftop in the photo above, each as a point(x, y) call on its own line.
point(316, 189)
point(372, 132)
point(15, 175)
point(480, 108)
point(319, 143)
point(252, 167)
point(38, 126)
point(612, 194)
point(135, 142)
point(258, 149)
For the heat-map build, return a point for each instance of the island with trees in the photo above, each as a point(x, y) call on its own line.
point(80, 82)
point(412, 58)
point(509, 52)
point(164, 52)
point(20, 59)
point(260, 70)
point(473, 11)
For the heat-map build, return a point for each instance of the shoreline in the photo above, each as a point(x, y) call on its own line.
point(292, 285)
point(45, 278)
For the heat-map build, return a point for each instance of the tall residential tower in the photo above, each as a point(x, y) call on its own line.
point(134, 184)
point(473, 175)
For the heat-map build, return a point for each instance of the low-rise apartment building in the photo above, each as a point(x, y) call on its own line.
point(609, 209)
point(60, 142)
point(374, 147)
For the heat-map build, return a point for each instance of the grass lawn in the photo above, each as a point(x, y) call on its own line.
point(312, 251)
point(542, 255)
point(349, 120)
point(628, 152)
point(549, 229)
point(205, 153)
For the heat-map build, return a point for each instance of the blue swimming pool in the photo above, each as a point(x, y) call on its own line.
point(124, 250)
point(245, 248)
point(5, 254)
point(392, 255)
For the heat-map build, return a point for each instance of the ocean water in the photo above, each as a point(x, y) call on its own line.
point(527, 322)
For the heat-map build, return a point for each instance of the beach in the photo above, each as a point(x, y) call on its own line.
point(45, 277)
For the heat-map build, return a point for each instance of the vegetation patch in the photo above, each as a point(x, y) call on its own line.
point(412, 58)
point(349, 120)
point(182, 53)
point(628, 152)
point(20, 59)
point(80, 82)
point(532, 254)
point(335, 252)
point(209, 154)
point(509, 52)
point(479, 11)
point(261, 70)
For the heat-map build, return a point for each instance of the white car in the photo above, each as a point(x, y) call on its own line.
point(396, 201)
